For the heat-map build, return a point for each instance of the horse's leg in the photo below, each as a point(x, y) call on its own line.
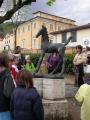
point(63, 67)
point(40, 61)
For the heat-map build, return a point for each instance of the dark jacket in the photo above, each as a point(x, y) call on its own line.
point(6, 88)
point(26, 104)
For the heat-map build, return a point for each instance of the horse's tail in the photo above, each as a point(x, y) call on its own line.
point(68, 40)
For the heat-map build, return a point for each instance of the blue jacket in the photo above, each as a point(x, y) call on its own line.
point(26, 104)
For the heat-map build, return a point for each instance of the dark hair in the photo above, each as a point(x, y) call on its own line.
point(25, 77)
point(4, 60)
point(18, 49)
point(79, 47)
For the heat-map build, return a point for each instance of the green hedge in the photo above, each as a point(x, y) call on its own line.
point(69, 61)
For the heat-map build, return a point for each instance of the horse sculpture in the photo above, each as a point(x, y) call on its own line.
point(47, 47)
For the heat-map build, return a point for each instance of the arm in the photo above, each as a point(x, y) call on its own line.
point(80, 94)
point(38, 109)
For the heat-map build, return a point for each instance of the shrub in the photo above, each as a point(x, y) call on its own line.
point(68, 66)
point(69, 63)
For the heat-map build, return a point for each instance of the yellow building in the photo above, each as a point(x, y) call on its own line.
point(26, 31)
point(80, 34)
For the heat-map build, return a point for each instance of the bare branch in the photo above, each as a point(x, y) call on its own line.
point(15, 8)
point(1, 2)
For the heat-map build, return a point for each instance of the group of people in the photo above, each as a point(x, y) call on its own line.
point(20, 101)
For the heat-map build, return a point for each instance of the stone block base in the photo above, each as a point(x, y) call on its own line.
point(38, 84)
point(53, 89)
point(55, 110)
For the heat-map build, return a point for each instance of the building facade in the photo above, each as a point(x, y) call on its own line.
point(1, 44)
point(8, 42)
point(80, 36)
point(26, 31)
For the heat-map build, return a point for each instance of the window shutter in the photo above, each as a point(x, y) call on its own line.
point(74, 36)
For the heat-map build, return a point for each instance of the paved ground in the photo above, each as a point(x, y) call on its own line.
point(74, 108)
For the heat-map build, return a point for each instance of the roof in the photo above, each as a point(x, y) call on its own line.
point(72, 29)
point(44, 18)
point(54, 15)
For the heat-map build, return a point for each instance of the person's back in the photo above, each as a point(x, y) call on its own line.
point(26, 103)
point(83, 97)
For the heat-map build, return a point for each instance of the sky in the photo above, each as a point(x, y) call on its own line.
point(77, 10)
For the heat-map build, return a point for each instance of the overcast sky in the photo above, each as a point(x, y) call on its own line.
point(78, 10)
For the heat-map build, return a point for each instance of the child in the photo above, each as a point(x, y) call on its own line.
point(83, 97)
point(29, 65)
point(26, 103)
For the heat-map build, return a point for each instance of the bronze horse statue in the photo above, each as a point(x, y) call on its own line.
point(47, 47)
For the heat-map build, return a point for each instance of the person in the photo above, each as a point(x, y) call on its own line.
point(26, 104)
point(12, 69)
point(20, 56)
point(52, 62)
point(43, 68)
point(83, 97)
point(29, 64)
point(78, 62)
point(6, 87)
point(88, 55)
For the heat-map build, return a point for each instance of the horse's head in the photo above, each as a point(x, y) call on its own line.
point(42, 31)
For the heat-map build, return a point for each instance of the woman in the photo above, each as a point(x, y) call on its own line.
point(26, 103)
point(78, 62)
point(52, 62)
point(6, 87)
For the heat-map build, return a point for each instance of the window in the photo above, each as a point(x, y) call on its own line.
point(9, 41)
point(64, 37)
point(51, 27)
point(44, 23)
point(35, 43)
point(34, 25)
point(74, 36)
point(59, 27)
point(28, 27)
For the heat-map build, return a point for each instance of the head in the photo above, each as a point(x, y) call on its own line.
point(4, 60)
point(16, 60)
point(42, 31)
point(18, 50)
point(79, 48)
point(27, 59)
point(25, 77)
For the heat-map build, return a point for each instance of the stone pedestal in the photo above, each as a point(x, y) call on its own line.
point(53, 94)
point(53, 89)
point(38, 84)
point(55, 110)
